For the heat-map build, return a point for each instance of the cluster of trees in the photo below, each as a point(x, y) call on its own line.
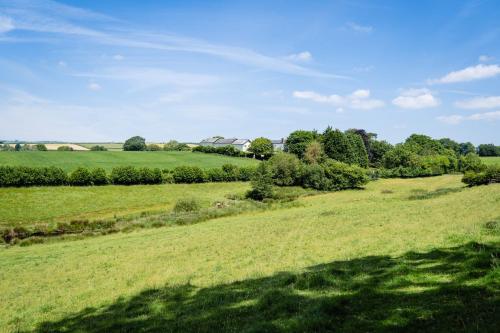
point(487, 175)
point(138, 143)
point(286, 169)
point(24, 147)
point(19, 176)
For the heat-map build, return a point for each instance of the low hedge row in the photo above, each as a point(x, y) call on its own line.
point(229, 151)
point(18, 176)
point(490, 175)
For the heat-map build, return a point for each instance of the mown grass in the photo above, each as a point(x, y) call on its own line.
point(42, 205)
point(110, 159)
point(359, 260)
point(491, 160)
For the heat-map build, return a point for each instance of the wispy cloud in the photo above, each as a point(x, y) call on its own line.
point(94, 86)
point(5, 24)
point(416, 99)
point(472, 73)
point(359, 99)
point(51, 17)
point(359, 28)
point(489, 102)
point(486, 58)
point(305, 56)
point(457, 119)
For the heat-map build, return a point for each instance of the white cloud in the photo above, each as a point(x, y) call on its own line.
point(360, 28)
point(457, 119)
point(472, 73)
point(62, 64)
point(118, 57)
point(94, 86)
point(479, 103)
point(364, 69)
point(485, 58)
point(300, 57)
point(359, 99)
point(6, 24)
point(416, 99)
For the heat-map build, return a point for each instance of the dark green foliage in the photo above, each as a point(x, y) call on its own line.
point(313, 176)
point(400, 156)
point(40, 147)
point(99, 177)
point(423, 145)
point(488, 150)
point(262, 181)
point(135, 143)
point(153, 147)
point(224, 150)
point(17, 147)
point(126, 175)
point(337, 146)
point(17, 176)
point(261, 146)
point(378, 149)
point(466, 148)
point(98, 148)
point(245, 173)
point(80, 177)
point(285, 169)
point(149, 176)
point(344, 176)
point(450, 144)
point(297, 142)
point(488, 175)
point(471, 162)
point(188, 174)
point(187, 205)
point(65, 148)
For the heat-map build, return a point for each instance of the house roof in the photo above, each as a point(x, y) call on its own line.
point(209, 140)
point(276, 142)
point(225, 141)
point(240, 141)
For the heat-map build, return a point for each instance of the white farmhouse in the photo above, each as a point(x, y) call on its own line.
point(240, 144)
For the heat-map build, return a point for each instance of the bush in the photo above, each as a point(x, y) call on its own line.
point(153, 147)
point(488, 176)
point(98, 148)
point(285, 169)
point(41, 147)
point(173, 145)
point(17, 176)
point(135, 143)
point(80, 177)
point(216, 175)
point(188, 174)
point(231, 172)
point(262, 181)
point(344, 176)
point(246, 173)
point(150, 176)
point(471, 162)
point(125, 176)
point(65, 148)
point(314, 177)
point(99, 177)
point(187, 205)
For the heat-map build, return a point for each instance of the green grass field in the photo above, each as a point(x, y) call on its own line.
point(109, 146)
point(42, 205)
point(109, 159)
point(491, 160)
point(401, 255)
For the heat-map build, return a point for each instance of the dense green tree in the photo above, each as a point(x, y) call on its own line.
point(466, 148)
point(297, 142)
point(135, 143)
point(17, 147)
point(98, 148)
point(65, 148)
point(358, 151)
point(41, 147)
point(423, 145)
point(173, 145)
point(400, 156)
point(337, 145)
point(378, 150)
point(366, 137)
point(262, 183)
point(261, 146)
point(285, 168)
point(488, 150)
point(450, 144)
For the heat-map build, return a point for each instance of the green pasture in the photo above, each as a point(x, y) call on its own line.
point(491, 160)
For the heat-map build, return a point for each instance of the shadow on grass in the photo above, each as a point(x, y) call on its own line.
point(451, 289)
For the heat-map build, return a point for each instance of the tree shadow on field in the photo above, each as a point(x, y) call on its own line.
point(451, 289)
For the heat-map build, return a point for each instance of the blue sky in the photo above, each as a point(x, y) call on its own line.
point(186, 70)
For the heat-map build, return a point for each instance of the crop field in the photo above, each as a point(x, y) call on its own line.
point(70, 160)
point(114, 146)
point(407, 255)
point(491, 160)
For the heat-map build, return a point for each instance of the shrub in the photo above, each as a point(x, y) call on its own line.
point(285, 169)
point(262, 181)
point(471, 162)
point(188, 174)
point(125, 176)
point(261, 146)
point(99, 177)
point(135, 143)
point(216, 175)
point(98, 148)
point(153, 147)
point(17, 176)
point(150, 176)
point(344, 176)
point(488, 176)
point(80, 177)
point(65, 148)
point(187, 205)
point(245, 173)
point(173, 145)
point(40, 147)
point(297, 142)
point(231, 172)
point(314, 177)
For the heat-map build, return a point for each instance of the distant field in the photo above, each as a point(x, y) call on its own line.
point(491, 160)
point(31, 206)
point(403, 255)
point(109, 159)
point(109, 146)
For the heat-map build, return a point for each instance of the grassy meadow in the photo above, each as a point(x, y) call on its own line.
point(70, 160)
point(491, 160)
point(402, 255)
point(30, 206)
